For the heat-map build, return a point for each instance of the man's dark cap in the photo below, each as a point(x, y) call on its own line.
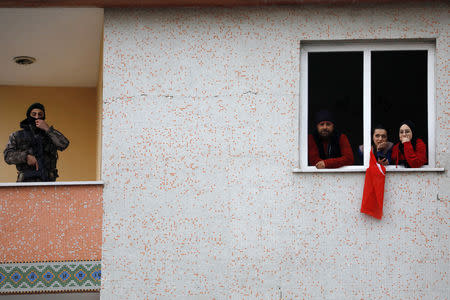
point(36, 105)
point(324, 115)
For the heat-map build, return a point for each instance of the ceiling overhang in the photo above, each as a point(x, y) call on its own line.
point(181, 3)
point(65, 44)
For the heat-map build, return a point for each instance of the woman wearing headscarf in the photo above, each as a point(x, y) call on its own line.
point(410, 151)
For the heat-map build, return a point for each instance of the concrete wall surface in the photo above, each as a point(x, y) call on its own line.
point(200, 137)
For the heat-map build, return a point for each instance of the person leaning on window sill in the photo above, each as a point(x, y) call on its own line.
point(411, 151)
point(327, 147)
point(381, 147)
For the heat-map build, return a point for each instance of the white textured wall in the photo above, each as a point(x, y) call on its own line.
point(200, 135)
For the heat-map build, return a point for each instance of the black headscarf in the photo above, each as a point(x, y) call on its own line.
point(412, 126)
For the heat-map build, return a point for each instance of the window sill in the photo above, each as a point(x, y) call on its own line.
point(61, 183)
point(361, 169)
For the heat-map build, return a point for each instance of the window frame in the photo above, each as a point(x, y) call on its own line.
point(366, 47)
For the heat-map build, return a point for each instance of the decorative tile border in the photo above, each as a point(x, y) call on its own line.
point(38, 277)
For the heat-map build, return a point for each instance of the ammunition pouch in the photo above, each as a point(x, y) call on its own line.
point(37, 176)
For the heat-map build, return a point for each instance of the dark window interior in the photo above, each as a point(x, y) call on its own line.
point(335, 83)
point(399, 91)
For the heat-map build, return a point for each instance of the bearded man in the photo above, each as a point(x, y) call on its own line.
point(34, 148)
point(327, 147)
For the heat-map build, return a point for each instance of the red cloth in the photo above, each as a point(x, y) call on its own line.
point(415, 159)
point(346, 151)
point(372, 202)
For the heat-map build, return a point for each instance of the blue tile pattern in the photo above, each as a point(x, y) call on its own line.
point(50, 277)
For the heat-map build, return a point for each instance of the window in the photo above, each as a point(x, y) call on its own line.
point(365, 84)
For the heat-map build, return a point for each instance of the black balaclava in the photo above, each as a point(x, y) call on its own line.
point(38, 106)
point(30, 121)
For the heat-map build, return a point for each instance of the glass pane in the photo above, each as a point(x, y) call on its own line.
point(399, 91)
point(335, 84)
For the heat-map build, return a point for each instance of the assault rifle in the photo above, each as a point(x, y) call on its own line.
point(38, 152)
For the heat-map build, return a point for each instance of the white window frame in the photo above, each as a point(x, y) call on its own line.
point(366, 47)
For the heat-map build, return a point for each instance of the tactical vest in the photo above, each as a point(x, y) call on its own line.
point(24, 142)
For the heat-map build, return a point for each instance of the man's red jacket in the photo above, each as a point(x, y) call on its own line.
point(345, 159)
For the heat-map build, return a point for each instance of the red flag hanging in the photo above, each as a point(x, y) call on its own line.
point(372, 202)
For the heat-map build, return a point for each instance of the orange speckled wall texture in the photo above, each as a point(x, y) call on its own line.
point(50, 223)
point(201, 114)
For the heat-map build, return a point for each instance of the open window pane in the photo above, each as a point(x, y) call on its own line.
point(335, 83)
point(65, 76)
point(399, 90)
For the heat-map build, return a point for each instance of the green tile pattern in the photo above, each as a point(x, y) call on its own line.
point(50, 276)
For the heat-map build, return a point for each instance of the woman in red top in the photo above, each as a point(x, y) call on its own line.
point(410, 151)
